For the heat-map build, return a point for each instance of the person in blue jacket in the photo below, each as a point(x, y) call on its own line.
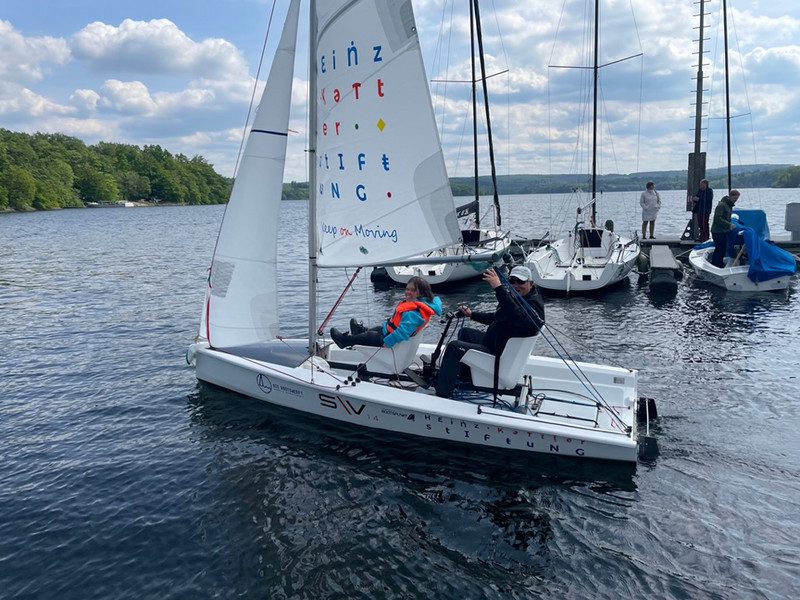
point(410, 315)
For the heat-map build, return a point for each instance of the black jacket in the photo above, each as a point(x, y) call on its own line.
point(510, 319)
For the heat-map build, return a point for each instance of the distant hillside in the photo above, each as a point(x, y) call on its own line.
point(746, 176)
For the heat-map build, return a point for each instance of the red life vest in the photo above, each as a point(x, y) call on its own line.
point(425, 310)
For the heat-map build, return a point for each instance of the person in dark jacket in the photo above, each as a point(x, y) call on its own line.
point(702, 208)
point(511, 319)
point(720, 227)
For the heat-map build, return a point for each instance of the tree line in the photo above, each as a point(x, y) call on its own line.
point(44, 171)
point(747, 176)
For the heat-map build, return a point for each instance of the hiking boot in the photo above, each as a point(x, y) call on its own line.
point(356, 327)
point(339, 338)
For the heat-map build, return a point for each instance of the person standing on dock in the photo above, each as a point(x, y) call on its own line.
point(702, 208)
point(720, 227)
point(650, 202)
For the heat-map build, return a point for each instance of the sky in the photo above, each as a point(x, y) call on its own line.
point(181, 74)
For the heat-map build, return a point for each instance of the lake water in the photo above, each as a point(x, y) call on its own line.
point(122, 477)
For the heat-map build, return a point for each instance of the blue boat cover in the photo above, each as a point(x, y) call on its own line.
point(766, 260)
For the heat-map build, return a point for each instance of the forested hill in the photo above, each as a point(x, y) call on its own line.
point(748, 176)
point(46, 171)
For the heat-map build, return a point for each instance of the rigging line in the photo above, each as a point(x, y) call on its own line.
point(570, 362)
point(322, 325)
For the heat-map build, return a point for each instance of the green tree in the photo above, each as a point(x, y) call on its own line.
point(20, 187)
point(95, 186)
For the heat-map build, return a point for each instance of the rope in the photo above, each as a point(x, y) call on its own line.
point(562, 353)
point(327, 318)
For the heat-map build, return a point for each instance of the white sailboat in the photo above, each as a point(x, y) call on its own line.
point(481, 247)
point(758, 265)
point(590, 257)
point(379, 195)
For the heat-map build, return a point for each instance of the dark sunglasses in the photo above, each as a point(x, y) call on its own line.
point(515, 280)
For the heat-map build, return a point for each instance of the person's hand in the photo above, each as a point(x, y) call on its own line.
point(466, 310)
point(492, 278)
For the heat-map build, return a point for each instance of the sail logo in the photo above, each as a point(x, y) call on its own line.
point(264, 384)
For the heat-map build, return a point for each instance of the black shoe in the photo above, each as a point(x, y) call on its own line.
point(339, 338)
point(652, 237)
point(356, 327)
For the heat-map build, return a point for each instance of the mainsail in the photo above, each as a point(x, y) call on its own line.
point(243, 298)
point(382, 190)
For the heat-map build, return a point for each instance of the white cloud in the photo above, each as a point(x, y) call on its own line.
point(21, 58)
point(19, 104)
point(155, 47)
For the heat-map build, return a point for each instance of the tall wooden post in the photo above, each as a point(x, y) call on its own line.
point(697, 159)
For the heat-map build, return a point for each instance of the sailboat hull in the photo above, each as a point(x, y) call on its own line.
point(564, 425)
point(445, 273)
point(559, 267)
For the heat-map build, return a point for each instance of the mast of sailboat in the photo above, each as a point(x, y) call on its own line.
point(475, 26)
point(595, 77)
point(312, 178)
point(727, 90)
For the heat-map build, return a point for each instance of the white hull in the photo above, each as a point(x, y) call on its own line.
point(441, 273)
point(554, 428)
point(560, 267)
point(733, 278)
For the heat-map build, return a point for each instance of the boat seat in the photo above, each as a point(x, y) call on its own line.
point(392, 360)
point(512, 361)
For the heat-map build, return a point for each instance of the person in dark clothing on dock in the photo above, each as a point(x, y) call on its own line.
point(721, 226)
point(702, 208)
point(520, 313)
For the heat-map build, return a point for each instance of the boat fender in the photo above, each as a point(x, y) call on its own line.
point(648, 448)
point(646, 409)
point(190, 353)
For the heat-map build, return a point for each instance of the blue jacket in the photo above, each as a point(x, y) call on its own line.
point(409, 322)
point(704, 200)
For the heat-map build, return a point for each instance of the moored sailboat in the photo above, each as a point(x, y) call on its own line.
point(363, 211)
point(590, 256)
point(758, 265)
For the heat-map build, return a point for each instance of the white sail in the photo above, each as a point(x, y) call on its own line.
point(243, 299)
point(382, 190)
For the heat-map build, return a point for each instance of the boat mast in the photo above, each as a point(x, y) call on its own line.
point(474, 112)
point(727, 90)
point(479, 34)
point(312, 178)
point(595, 73)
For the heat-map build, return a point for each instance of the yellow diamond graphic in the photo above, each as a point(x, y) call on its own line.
point(381, 124)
